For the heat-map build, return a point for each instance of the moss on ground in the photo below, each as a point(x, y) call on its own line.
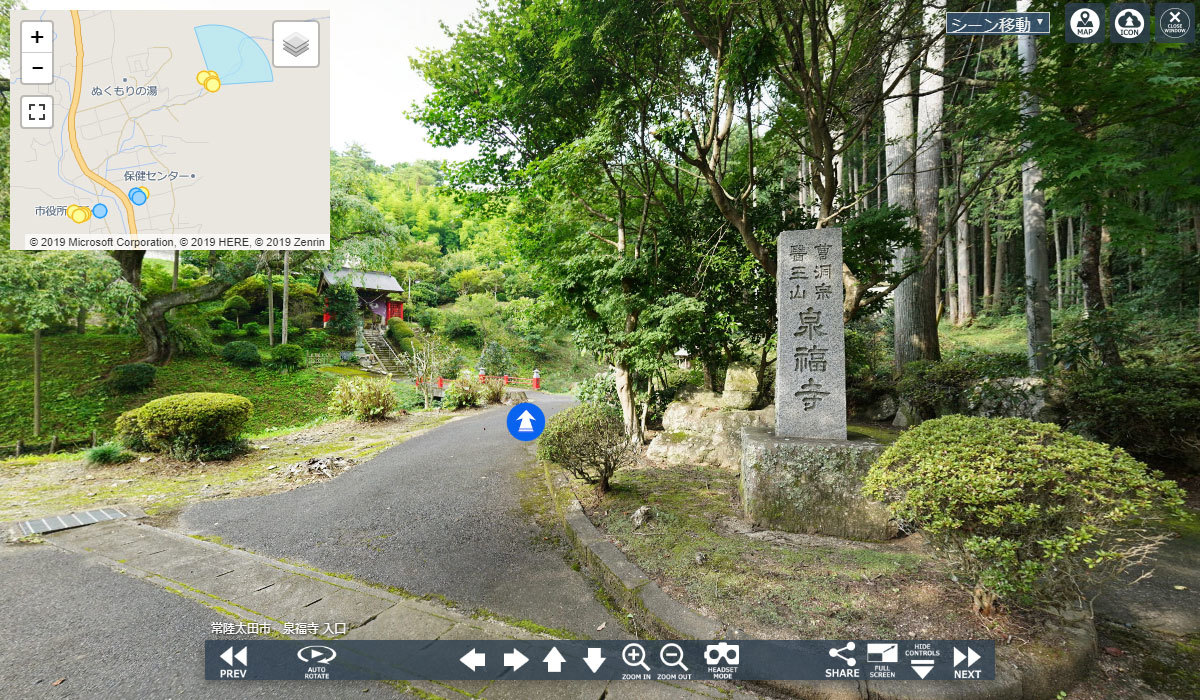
point(814, 591)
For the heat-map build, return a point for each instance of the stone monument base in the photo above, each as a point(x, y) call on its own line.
point(811, 486)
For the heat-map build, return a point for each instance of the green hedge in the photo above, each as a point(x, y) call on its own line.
point(242, 353)
point(132, 378)
point(1023, 511)
point(288, 356)
point(189, 426)
point(589, 441)
point(462, 393)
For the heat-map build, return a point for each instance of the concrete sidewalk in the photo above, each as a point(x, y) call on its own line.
point(250, 587)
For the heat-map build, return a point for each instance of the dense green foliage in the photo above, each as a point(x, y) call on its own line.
point(252, 329)
point(462, 393)
point(288, 356)
point(589, 441)
point(342, 306)
point(190, 426)
point(1024, 511)
point(936, 388)
point(132, 378)
point(1153, 412)
point(242, 353)
point(109, 453)
point(364, 399)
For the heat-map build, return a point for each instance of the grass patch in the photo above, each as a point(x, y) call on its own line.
point(1004, 334)
point(75, 401)
point(768, 589)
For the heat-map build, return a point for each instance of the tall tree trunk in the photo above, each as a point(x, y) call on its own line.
point(270, 304)
point(1196, 227)
point(987, 260)
point(287, 278)
point(1093, 295)
point(966, 311)
point(1106, 282)
point(622, 374)
point(1058, 276)
point(37, 382)
point(998, 300)
point(1072, 296)
point(1037, 270)
point(175, 272)
point(915, 328)
point(951, 254)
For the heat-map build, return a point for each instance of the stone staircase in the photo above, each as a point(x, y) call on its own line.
point(388, 358)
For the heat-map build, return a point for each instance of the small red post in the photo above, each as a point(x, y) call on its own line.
point(482, 376)
point(506, 380)
point(537, 380)
point(440, 381)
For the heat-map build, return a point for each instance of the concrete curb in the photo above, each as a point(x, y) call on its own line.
point(663, 617)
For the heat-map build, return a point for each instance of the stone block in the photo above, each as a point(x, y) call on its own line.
point(697, 434)
point(811, 486)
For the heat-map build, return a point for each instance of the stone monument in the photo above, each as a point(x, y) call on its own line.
point(806, 476)
point(810, 374)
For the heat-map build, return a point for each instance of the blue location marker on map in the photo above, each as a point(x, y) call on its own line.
point(99, 211)
point(526, 422)
point(137, 195)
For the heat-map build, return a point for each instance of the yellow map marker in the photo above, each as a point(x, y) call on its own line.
point(78, 214)
point(204, 75)
point(212, 83)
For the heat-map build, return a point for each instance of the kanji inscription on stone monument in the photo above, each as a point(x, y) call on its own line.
point(810, 375)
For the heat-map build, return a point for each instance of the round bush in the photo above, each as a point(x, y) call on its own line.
point(226, 329)
point(288, 356)
point(109, 454)
point(129, 432)
point(589, 441)
point(195, 425)
point(1023, 510)
point(132, 378)
point(242, 353)
point(398, 330)
point(252, 329)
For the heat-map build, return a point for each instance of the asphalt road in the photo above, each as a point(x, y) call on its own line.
point(438, 514)
point(108, 635)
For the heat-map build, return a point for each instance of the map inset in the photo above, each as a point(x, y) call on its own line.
point(170, 130)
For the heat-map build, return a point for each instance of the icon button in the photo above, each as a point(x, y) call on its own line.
point(229, 656)
point(316, 654)
point(37, 111)
point(37, 36)
point(672, 655)
point(922, 667)
point(296, 44)
point(37, 68)
point(595, 658)
point(837, 653)
point(634, 655)
point(883, 653)
point(1176, 23)
point(970, 657)
point(1085, 23)
point(474, 660)
point(515, 659)
point(1129, 23)
point(722, 653)
point(525, 422)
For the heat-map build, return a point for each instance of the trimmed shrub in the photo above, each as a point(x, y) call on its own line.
point(109, 454)
point(1023, 511)
point(242, 353)
point(189, 341)
point(195, 426)
point(492, 391)
point(236, 306)
point(462, 393)
point(398, 330)
point(252, 329)
point(1154, 412)
point(129, 433)
point(363, 398)
point(226, 329)
point(288, 356)
point(132, 378)
point(589, 441)
point(316, 339)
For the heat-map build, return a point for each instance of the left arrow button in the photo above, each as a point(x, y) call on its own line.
point(474, 660)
